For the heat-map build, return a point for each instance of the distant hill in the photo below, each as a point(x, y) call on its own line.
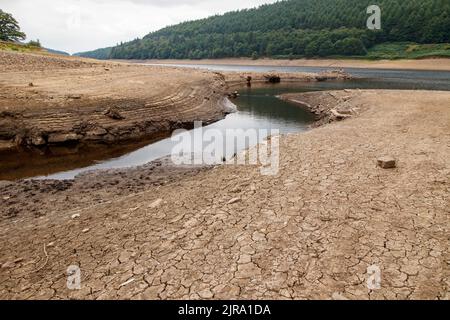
point(297, 28)
point(57, 52)
point(103, 54)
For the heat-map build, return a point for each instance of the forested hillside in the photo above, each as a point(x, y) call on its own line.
point(293, 28)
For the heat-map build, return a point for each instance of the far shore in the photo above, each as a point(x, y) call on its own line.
point(438, 64)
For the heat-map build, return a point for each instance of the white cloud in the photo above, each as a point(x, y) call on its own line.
point(81, 25)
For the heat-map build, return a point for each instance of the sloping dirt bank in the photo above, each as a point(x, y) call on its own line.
point(48, 100)
point(309, 232)
point(51, 100)
point(441, 64)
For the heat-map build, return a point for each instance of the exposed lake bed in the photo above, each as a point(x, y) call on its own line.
point(328, 201)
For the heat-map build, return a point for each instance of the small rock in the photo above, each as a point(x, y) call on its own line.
point(234, 200)
point(85, 230)
point(74, 216)
point(74, 96)
point(155, 204)
point(387, 162)
point(6, 198)
point(51, 244)
point(31, 84)
point(234, 95)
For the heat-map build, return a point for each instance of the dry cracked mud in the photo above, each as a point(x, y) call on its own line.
point(310, 232)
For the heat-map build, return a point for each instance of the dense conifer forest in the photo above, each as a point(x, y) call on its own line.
point(300, 28)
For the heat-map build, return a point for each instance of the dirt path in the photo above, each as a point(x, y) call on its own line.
point(310, 232)
point(423, 64)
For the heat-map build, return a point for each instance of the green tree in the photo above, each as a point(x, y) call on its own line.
point(9, 28)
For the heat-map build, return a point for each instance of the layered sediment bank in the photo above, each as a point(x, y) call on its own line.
point(49, 100)
point(53, 100)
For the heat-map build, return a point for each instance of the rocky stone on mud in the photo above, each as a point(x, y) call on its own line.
point(272, 78)
point(60, 138)
point(95, 134)
point(155, 204)
point(38, 141)
point(339, 115)
point(387, 162)
point(74, 96)
point(234, 200)
point(233, 95)
point(327, 106)
point(113, 113)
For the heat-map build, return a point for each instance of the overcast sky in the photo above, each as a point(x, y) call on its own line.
point(82, 25)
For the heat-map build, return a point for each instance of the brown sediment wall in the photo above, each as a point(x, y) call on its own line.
point(76, 101)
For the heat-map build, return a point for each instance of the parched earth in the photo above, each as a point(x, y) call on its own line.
point(309, 232)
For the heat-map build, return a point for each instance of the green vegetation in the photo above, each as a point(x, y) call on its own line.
point(300, 28)
point(9, 28)
point(19, 47)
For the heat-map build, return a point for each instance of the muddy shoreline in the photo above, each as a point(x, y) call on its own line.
point(310, 232)
point(439, 64)
point(327, 106)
